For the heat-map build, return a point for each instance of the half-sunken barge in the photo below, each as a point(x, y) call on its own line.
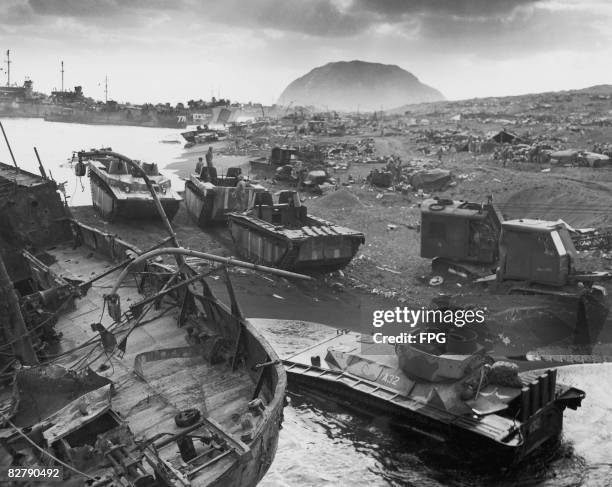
point(175, 389)
point(444, 392)
point(283, 235)
point(118, 189)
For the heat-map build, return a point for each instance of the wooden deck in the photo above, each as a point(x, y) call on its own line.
point(169, 385)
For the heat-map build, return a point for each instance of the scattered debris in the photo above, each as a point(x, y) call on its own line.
point(436, 281)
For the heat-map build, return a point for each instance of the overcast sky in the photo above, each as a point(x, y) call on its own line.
point(175, 50)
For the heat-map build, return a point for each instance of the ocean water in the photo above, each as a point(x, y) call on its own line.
point(56, 142)
point(322, 444)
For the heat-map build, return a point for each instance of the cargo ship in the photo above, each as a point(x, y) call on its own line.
point(209, 197)
point(107, 383)
point(283, 235)
point(120, 189)
point(135, 116)
point(450, 392)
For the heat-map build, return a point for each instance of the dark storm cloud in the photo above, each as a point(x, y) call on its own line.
point(314, 17)
point(523, 32)
point(320, 18)
point(98, 8)
point(391, 9)
point(452, 24)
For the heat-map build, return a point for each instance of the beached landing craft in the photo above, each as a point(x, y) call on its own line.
point(285, 236)
point(175, 389)
point(190, 135)
point(209, 198)
point(445, 392)
point(120, 189)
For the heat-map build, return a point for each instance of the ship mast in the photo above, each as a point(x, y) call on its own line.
point(8, 67)
point(62, 76)
point(106, 89)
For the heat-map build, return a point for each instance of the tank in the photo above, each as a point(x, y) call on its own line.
point(283, 235)
point(446, 391)
point(190, 135)
point(119, 190)
point(209, 198)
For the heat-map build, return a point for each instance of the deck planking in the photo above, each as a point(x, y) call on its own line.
point(172, 384)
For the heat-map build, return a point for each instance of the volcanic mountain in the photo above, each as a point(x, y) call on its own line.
point(353, 85)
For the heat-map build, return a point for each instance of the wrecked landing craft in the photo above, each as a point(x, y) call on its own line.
point(445, 392)
point(285, 236)
point(120, 189)
point(209, 198)
point(177, 389)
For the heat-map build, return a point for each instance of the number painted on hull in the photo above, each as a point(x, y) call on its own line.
point(390, 379)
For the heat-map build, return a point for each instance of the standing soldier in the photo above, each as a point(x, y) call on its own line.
point(241, 193)
point(209, 158)
point(453, 152)
point(505, 154)
point(199, 166)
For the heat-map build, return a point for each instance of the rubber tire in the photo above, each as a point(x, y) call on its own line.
point(436, 207)
point(187, 417)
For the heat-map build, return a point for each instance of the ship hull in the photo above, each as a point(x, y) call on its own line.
point(546, 426)
point(201, 206)
point(506, 419)
point(146, 414)
point(210, 205)
point(319, 251)
point(147, 380)
point(88, 117)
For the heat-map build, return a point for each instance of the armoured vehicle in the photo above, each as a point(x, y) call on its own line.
point(209, 198)
point(460, 231)
point(120, 189)
point(279, 156)
point(190, 135)
point(283, 235)
point(451, 392)
point(176, 388)
point(527, 274)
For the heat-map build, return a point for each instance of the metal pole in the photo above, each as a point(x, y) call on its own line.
point(11, 320)
point(119, 265)
point(9, 145)
point(40, 166)
point(202, 255)
point(8, 67)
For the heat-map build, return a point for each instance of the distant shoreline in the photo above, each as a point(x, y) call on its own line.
point(185, 164)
